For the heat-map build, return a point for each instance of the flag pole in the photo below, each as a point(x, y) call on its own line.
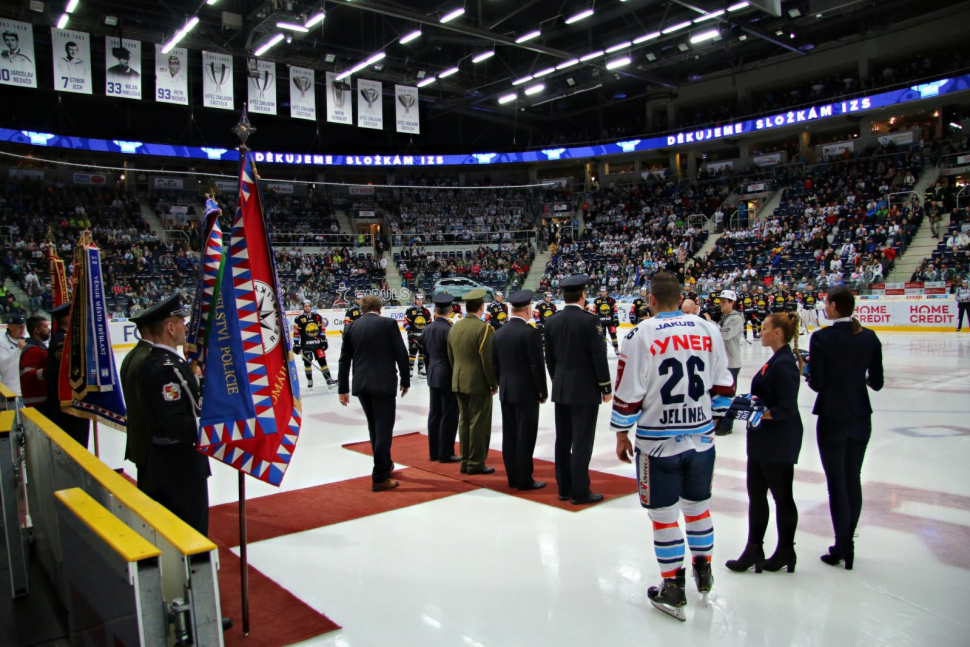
point(243, 130)
point(97, 451)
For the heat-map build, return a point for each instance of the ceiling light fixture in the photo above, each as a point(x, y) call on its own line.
point(111, 21)
point(535, 89)
point(451, 15)
point(535, 33)
point(678, 26)
point(505, 98)
point(315, 19)
point(484, 56)
point(448, 72)
point(179, 35)
point(548, 70)
point(524, 79)
point(646, 37)
point(262, 49)
point(407, 38)
point(683, 47)
point(618, 47)
point(710, 15)
point(292, 27)
point(62, 21)
point(579, 16)
point(794, 13)
point(619, 62)
point(743, 37)
point(357, 68)
point(651, 57)
point(738, 6)
point(211, 2)
point(591, 56)
point(427, 81)
point(569, 63)
point(700, 37)
point(71, 6)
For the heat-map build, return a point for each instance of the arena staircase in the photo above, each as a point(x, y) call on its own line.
point(535, 273)
point(344, 223)
point(394, 280)
point(768, 208)
point(19, 296)
point(148, 214)
point(923, 242)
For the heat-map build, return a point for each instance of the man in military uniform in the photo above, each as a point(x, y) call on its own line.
point(353, 313)
point(521, 374)
point(415, 319)
point(576, 358)
point(474, 383)
point(638, 303)
point(310, 342)
point(543, 310)
point(77, 428)
point(497, 313)
point(139, 438)
point(605, 307)
point(443, 409)
point(176, 473)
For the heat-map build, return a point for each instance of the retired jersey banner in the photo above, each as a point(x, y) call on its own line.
point(72, 60)
point(251, 410)
point(18, 64)
point(370, 104)
point(209, 275)
point(262, 89)
point(172, 76)
point(123, 67)
point(406, 109)
point(340, 102)
point(303, 94)
point(217, 89)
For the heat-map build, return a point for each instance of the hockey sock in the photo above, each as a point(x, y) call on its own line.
point(700, 528)
point(326, 374)
point(309, 373)
point(668, 542)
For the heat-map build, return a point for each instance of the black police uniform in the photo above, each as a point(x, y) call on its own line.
point(310, 342)
point(443, 406)
point(416, 318)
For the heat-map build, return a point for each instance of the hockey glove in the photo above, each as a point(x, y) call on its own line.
point(747, 408)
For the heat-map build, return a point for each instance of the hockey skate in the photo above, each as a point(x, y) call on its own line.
point(669, 597)
point(309, 384)
point(704, 579)
point(332, 384)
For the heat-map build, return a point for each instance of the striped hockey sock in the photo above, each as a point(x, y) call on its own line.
point(700, 528)
point(668, 542)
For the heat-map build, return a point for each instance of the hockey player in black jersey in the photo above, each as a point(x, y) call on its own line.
point(310, 342)
point(497, 312)
point(759, 312)
point(415, 319)
point(543, 310)
point(605, 308)
point(353, 313)
point(745, 305)
point(809, 299)
point(638, 303)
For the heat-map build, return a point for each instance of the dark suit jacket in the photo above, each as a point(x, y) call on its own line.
point(839, 363)
point(778, 440)
point(436, 354)
point(139, 436)
point(576, 357)
point(373, 344)
point(518, 363)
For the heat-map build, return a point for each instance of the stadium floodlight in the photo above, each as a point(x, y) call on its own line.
point(293, 27)
point(548, 70)
point(505, 98)
point(569, 63)
point(618, 47)
point(408, 37)
point(579, 16)
point(357, 68)
point(262, 49)
point(535, 89)
point(677, 27)
point(315, 19)
point(738, 6)
point(427, 81)
point(619, 62)
point(71, 6)
point(522, 80)
point(484, 56)
point(448, 72)
point(535, 33)
point(62, 21)
point(451, 15)
point(710, 15)
point(700, 37)
point(211, 2)
point(646, 37)
point(591, 56)
point(179, 35)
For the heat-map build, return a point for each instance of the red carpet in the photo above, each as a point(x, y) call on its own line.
point(412, 449)
point(285, 513)
point(276, 616)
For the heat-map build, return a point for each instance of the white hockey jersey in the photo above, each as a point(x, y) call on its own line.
point(669, 367)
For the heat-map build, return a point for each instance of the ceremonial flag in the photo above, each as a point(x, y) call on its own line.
point(251, 411)
point(209, 273)
point(89, 386)
point(60, 292)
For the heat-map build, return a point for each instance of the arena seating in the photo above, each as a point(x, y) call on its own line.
point(503, 267)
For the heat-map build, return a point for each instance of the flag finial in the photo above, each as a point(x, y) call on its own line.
point(243, 129)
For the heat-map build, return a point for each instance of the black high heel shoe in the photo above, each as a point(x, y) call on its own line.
point(783, 558)
point(752, 557)
point(836, 557)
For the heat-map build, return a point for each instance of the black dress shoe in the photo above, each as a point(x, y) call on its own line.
point(226, 624)
point(564, 497)
point(589, 498)
point(484, 470)
point(450, 459)
point(535, 485)
point(464, 469)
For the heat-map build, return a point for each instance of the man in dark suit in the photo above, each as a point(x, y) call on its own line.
point(518, 363)
point(576, 357)
point(443, 410)
point(139, 438)
point(373, 344)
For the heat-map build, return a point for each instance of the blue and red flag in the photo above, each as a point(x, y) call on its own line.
point(251, 411)
point(209, 273)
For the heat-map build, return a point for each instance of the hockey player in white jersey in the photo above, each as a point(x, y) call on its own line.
point(672, 372)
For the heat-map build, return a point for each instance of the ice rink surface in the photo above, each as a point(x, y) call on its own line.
point(485, 568)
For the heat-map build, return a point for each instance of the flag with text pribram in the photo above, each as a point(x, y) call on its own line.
point(251, 410)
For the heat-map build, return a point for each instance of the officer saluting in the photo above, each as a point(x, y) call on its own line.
point(175, 471)
point(443, 409)
point(576, 357)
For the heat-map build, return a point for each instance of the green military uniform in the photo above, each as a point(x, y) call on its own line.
point(473, 382)
point(139, 439)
